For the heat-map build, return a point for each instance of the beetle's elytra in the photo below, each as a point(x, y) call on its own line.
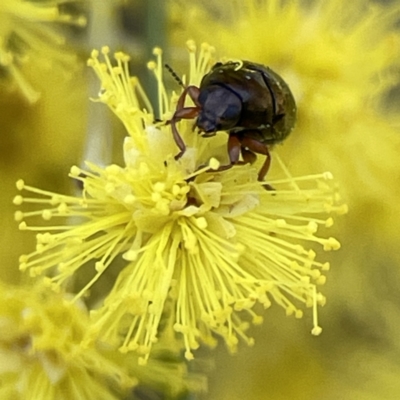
point(249, 101)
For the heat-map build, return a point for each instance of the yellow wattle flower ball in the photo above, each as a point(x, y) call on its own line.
point(201, 246)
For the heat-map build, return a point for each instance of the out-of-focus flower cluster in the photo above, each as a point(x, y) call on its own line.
point(40, 138)
point(41, 352)
point(42, 356)
point(25, 36)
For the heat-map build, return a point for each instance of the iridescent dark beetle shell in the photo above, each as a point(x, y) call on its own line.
point(249, 101)
point(268, 108)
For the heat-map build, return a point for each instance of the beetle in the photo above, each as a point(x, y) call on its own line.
point(248, 100)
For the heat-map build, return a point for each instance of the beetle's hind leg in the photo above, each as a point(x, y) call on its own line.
point(258, 147)
point(252, 146)
point(248, 147)
point(235, 148)
point(248, 156)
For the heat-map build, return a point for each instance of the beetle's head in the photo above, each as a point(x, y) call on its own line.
point(220, 109)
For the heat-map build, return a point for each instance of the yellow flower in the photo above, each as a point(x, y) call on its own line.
point(41, 357)
point(24, 35)
point(202, 247)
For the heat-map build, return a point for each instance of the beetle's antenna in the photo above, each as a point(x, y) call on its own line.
point(175, 76)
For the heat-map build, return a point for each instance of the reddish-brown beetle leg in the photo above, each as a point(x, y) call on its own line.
point(248, 156)
point(183, 112)
point(193, 92)
point(178, 139)
point(260, 148)
point(233, 151)
point(265, 167)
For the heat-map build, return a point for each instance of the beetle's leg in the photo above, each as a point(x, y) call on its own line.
point(193, 92)
point(260, 148)
point(183, 112)
point(233, 151)
point(234, 147)
point(178, 139)
point(248, 156)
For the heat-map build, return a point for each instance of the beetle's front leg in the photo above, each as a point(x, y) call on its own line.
point(193, 92)
point(183, 112)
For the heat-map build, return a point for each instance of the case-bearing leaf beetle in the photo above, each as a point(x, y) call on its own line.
point(248, 100)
